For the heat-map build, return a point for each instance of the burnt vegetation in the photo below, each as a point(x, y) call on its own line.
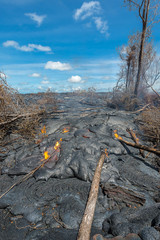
point(21, 115)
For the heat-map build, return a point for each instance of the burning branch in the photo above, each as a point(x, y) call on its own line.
point(135, 145)
point(66, 129)
point(46, 158)
point(85, 227)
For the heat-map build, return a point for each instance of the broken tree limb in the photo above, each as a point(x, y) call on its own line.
point(85, 226)
point(136, 140)
point(155, 92)
point(139, 146)
point(142, 109)
point(19, 117)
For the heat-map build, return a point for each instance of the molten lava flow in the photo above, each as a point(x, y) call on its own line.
point(46, 155)
point(106, 152)
point(65, 130)
point(116, 135)
point(43, 130)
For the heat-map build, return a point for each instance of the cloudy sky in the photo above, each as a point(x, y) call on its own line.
point(64, 44)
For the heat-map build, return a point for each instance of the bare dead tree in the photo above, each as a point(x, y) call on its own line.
point(127, 71)
point(147, 11)
point(129, 67)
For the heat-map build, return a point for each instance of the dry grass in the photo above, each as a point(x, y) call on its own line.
point(15, 115)
point(122, 100)
point(149, 122)
point(47, 101)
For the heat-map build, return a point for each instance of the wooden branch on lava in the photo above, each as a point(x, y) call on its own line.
point(85, 226)
point(135, 145)
point(136, 140)
point(46, 158)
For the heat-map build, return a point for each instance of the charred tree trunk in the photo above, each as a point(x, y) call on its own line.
point(144, 18)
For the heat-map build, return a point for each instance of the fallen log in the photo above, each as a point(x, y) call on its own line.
point(85, 226)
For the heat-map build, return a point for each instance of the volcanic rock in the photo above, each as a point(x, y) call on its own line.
point(49, 202)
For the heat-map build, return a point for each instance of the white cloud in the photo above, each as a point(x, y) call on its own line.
point(87, 9)
point(40, 87)
point(37, 18)
point(101, 25)
point(11, 44)
point(76, 88)
point(57, 66)
point(93, 11)
point(3, 75)
point(36, 75)
point(45, 78)
point(40, 47)
point(105, 77)
point(45, 82)
point(27, 48)
point(75, 79)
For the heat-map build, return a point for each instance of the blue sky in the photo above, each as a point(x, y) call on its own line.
point(64, 45)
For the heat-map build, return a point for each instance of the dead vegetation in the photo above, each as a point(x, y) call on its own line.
point(90, 92)
point(149, 123)
point(122, 100)
point(47, 101)
point(17, 115)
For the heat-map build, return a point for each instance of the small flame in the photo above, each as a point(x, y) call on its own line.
point(116, 135)
point(65, 130)
point(106, 152)
point(43, 130)
point(46, 155)
point(57, 145)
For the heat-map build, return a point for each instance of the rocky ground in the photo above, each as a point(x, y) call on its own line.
point(50, 203)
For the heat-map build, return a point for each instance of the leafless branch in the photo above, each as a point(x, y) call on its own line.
point(136, 4)
point(155, 92)
point(140, 7)
point(85, 227)
point(139, 146)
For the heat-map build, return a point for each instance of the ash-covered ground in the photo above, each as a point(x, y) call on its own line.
point(50, 203)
